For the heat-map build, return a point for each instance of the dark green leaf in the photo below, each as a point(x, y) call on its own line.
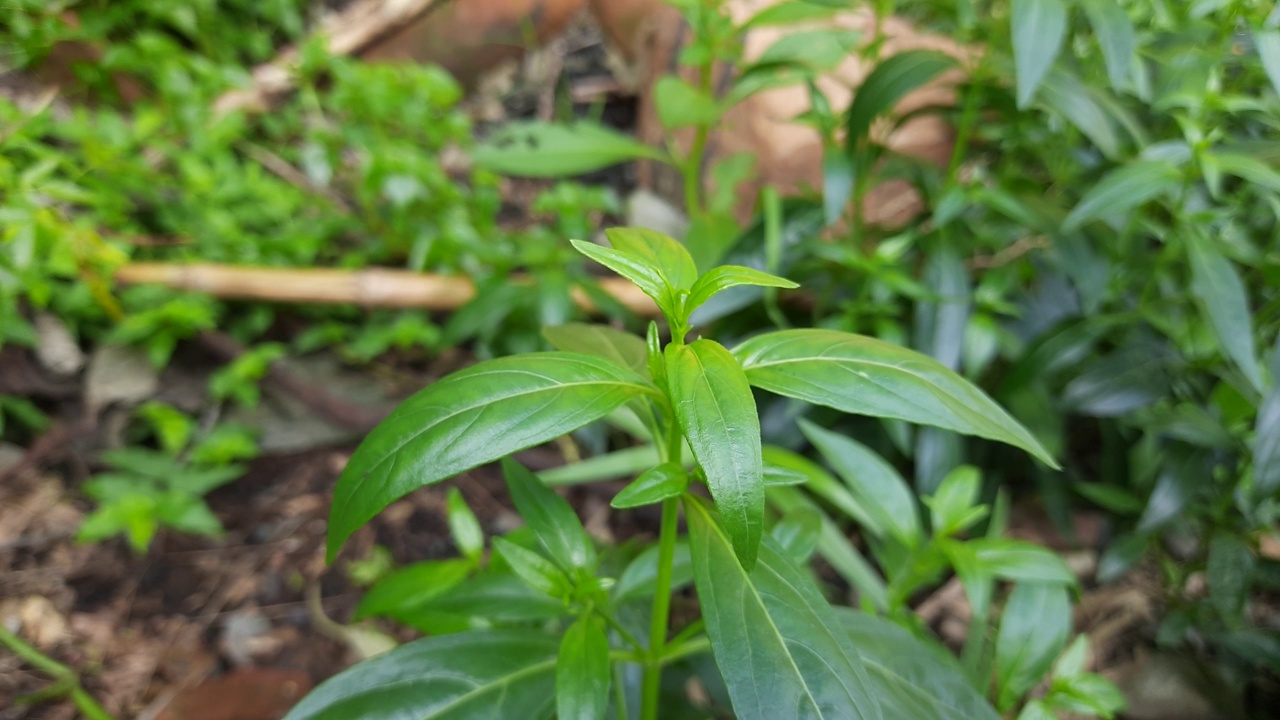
point(601, 341)
point(1121, 191)
point(539, 149)
point(412, 586)
point(583, 671)
point(727, 276)
point(538, 572)
point(1110, 497)
point(480, 674)
point(875, 485)
point(1039, 27)
point(1114, 30)
point(1228, 575)
point(1266, 439)
point(913, 678)
point(889, 82)
point(717, 413)
point(1033, 630)
point(495, 597)
point(637, 581)
point(1122, 554)
point(472, 417)
point(866, 376)
point(797, 533)
point(1221, 294)
point(779, 647)
point(1020, 561)
point(667, 480)
point(680, 104)
point(463, 526)
point(552, 520)
point(1065, 93)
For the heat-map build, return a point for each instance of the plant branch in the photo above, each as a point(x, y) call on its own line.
point(60, 673)
point(651, 683)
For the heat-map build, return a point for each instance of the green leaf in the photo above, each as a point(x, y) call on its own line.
point(876, 485)
point(680, 104)
point(552, 520)
point(913, 678)
point(790, 12)
point(667, 480)
point(479, 674)
point(1086, 107)
point(797, 533)
point(837, 183)
point(1268, 44)
point(601, 341)
point(811, 49)
point(1122, 190)
point(727, 276)
point(865, 376)
point(1114, 30)
point(1229, 574)
point(1249, 168)
point(777, 642)
point(472, 417)
point(638, 579)
point(463, 526)
point(538, 572)
point(1020, 561)
point(1221, 296)
point(582, 671)
point(890, 81)
point(717, 413)
point(495, 596)
point(412, 586)
point(666, 255)
point(952, 504)
point(1039, 27)
point(1266, 439)
point(1033, 631)
point(546, 150)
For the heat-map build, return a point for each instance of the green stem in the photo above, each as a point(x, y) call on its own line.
point(622, 632)
point(59, 672)
point(651, 683)
point(693, 647)
point(968, 116)
point(692, 165)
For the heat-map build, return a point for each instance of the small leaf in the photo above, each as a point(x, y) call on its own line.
point(1020, 561)
point(667, 480)
point(953, 502)
point(546, 150)
point(727, 276)
point(790, 12)
point(1033, 630)
point(776, 640)
point(1114, 30)
point(480, 674)
point(412, 586)
point(890, 81)
point(1268, 44)
point(1084, 107)
point(1221, 294)
point(583, 671)
point(1121, 191)
point(472, 417)
point(816, 50)
point(639, 578)
point(463, 526)
point(551, 518)
point(1228, 574)
point(1039, 27)
point(680, 104)
point(837, 183)
point(875, 484)
point(538, 572)
point(666, 255)
point(602, 341)
point(797, 533)
point(717, 413)
point(866, 376)
point(1249, 168)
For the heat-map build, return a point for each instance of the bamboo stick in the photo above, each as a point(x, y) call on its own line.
point(369, 287)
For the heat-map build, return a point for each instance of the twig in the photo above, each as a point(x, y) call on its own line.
point(62, 675)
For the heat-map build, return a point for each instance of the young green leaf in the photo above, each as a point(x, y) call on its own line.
point(866, 376)
point(797, 533)
point(727, 276)
point(1033, 630)
point(583, 671)
point(1228, 574)
point(1114, 30)
point(790, 12)
point(551, 518)
point(890, 81)
point(480, 674)
point(717, 413)
point(602, 341)
point(463, 526)
point(1021, 561)
point(547, 150)
point(538, 572)
point(1268, 44)
point(680, 104)
point(1039, 27)
point(654, 485)
point(1221, 294)
point(663, 253)
point(1122, 190)
point(815, 50)
point(776, 640)
point(472, 417)
point(876, 486)
point(952, 504)
point(412, 586)
point(837, 183)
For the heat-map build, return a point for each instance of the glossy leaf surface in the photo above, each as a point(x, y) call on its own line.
point(551, 518)
point(654, 485)
point(1221, 293)
point(717, 413)
point(582, 671)
point(866, 376)
point(472, 417)
point(889, 82)
point(727, 276)
point(602, 341)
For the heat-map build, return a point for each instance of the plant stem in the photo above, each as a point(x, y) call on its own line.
point(651, 683)
point(59, 672)
point(692, 165)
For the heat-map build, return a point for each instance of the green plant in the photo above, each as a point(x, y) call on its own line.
point(66, 681)
point(763, 618)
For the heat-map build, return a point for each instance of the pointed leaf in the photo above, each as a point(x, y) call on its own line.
point(639, 579)
point(1039, 27)
point(667, 480)
point(536, 571)
point(465, 529)
point(837, 183)
point(666, 255)
point(1221, 295)
point(727, 276)
point(680, 104)
point(1266, 437)
point(1114, 30)
point(890, 81)
point(602, 341)
point(583, 671)
point(1033, 630)
point(1268, 44)
point(479, 674)
point(776, 640)
point(412, 586)
point(472, 417)
point(551, 518)
point(952, 504)
point(866, 376)
point(717, 413)
point(1122, 190)
point(547, 150)
point(818, 50)
point(797, 533)
point(1020, 560)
